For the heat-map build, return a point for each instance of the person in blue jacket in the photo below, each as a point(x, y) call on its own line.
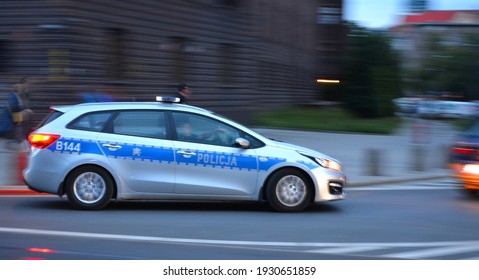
point(13, 115)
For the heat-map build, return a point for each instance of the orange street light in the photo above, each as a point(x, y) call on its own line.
point(327, 81)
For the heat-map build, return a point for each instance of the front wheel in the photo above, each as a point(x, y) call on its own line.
point(474, 193)
point(89, 188)
point(289, 190)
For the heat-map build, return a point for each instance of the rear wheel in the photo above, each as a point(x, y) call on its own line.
point(89, 188)
point(289, 190)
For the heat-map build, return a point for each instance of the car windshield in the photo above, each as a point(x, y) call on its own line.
point(473, 130)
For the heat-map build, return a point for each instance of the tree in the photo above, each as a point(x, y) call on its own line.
point(372, 74)
point(448, 67)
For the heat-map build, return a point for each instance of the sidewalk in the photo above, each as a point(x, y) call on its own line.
point(411, 154)
point(12, 161)
point(415, 152)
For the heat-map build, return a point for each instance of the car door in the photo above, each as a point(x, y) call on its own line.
point(137, 147)
point(207, 162)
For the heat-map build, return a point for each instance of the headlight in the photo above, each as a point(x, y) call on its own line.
point(327, 163)
point(471, 168)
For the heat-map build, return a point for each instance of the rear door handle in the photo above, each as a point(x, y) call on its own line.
point(112, 147)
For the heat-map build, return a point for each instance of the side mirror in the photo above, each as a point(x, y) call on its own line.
point(242, 143)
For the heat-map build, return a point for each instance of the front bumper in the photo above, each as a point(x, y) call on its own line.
point(467, 173)
point(330, 185)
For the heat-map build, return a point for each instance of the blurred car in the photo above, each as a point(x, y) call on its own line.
point(443, 109)
point(464, 158)
point(97, 152)
point(406, 105)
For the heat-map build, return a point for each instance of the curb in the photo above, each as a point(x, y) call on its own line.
point(20, 192)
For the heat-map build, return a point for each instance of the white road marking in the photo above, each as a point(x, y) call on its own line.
point(435, 252)
point(436, 249)
point(347, 250)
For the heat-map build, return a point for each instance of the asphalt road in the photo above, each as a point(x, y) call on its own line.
point(422, 220)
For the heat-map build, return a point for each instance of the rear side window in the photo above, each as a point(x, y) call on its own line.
point(140, 123)
point(91, 121)
point(49, 118)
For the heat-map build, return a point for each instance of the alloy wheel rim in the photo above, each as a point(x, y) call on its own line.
point(89, 188)
point(291, 190)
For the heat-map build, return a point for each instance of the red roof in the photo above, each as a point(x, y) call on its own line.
point(440, 16)
point(430, 16)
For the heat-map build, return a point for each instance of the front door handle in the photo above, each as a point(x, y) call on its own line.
point(187, 154)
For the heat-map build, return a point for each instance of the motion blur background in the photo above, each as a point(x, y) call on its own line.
point(238, 56)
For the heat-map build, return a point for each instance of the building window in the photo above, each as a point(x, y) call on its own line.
point(227, 3)
point(227, 53)
point(178, 47)
point(328, 15)
point(4, 55)
point(115, 45)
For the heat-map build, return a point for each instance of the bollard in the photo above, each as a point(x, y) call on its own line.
point(444, 152)
point(418, 158)
point(21, 165)
point(373, 162)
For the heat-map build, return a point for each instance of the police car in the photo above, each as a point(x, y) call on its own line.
point(98, 152)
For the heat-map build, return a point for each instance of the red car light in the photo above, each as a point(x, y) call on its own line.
point(41, 141)
point(41, 250)
point(462, 151)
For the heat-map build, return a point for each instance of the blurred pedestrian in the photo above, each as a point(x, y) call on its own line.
point(6, 122)
point(20, 114)
point(24, 90)
point(24, 94)
point(183, 92)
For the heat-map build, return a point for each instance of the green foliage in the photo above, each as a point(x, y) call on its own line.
point(451, 67)
point(320, 119)
point(372, 74)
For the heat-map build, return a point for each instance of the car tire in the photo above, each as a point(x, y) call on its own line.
point(89, 188)
point(289, 190)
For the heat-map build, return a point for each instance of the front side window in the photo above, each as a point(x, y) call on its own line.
point(473, 130)
point(199, 129)
point(140, 123)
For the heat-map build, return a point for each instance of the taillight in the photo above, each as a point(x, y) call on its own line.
point(462, 151)
point(41, 141)
point(41, 250)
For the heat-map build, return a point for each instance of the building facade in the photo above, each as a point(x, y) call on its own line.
point(330, 40)
point(238, 56)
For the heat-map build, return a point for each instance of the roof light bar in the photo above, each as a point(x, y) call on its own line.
point(168, 99)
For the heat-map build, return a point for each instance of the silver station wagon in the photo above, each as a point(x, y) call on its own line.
point(98, 152)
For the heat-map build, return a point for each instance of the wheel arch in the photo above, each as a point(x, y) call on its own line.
point(263, 196)
point(115, 188)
